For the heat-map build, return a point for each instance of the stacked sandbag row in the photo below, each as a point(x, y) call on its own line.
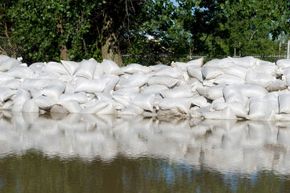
point(241, 146)
point(229, 88)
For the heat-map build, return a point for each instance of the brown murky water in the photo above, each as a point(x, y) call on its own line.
point(88, 154)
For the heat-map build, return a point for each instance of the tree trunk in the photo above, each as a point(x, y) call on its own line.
point(111, 51)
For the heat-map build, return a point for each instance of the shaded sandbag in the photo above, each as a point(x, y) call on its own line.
point(135, 80)
point(70, 66)
point(110, 67)
point(53, 91)
point(135, 68)
point(6, 93)
point(56, 109)
point(276, 85)
point(182, 91)
point(12, 84)
point(80, 97)
point(153, 89)
point(87, 68)
point(55, 67)
point(20, 72)
point(144, 101)
point(19, 99)
point(223, 114)
point(228, 79)
point(44, 102)
point(283, 63)
point(91, 86)
point(261, 79)
point(195, 72)
point(7, 63)
point(209, 72)
point(30, 106)
point(284, 103)
point(71, 106)
point(163, 80)
point(260, 109)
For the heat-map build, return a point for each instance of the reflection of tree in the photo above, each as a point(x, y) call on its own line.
point(33, 173)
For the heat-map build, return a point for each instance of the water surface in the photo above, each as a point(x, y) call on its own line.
point(87, 154)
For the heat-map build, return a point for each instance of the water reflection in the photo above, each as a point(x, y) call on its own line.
point(86, 153)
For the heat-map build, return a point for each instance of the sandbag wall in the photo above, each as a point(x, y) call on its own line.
point(229, 88)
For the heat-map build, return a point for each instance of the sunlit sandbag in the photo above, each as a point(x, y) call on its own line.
point(87, 69)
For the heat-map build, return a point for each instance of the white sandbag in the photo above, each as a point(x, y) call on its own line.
point(276, 85)
point(19, 99)
point(7, 105)
point(261, 79)
point(93, 107)
point(58, 109)
point(30, 107)
point(131, 110)
point(259, 109)
point(7, 63)
point(55, 67)
point(182, 91)
point(70, 66)
point(239, 109)
point(233, 93)
point(6, 93)
point(219, 104)
point(20, 72)
point(250, 90)
point(135, 68)
point(91, 86)
point(236, 70)
point(111, 82)
point(283, 63)
point(284, 103)
point(12, 84)
point(80, 97)
point(71, 106)
point(87, 69)
point(228, 79)
point(135, 80)
point(37, 67)
point(28, 84)
point(199, 101)
point(153, 89)
point(273, 101)
point(266, 67)
point(211, 72)
point(211, 93)
point(195, 72)
point(220, 115)
point(163, 80)
point(158, 67)
point(144, 101)
point(169, 71)
point(197, 63)
point(181, 104)
point(52, 91)
point(44, 102)
point(247, 61)
point(110, 67)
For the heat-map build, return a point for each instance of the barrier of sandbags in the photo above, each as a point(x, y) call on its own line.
point(238, 87)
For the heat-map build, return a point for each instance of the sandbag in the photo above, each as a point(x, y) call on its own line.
point(283, 63)
point(209, 72)
point(284, 103)
point(86, 69)
point(135, 68)
point(93, 107)
point(19, 99)
point(30, 107)
point(7, 63)
point(223, 114)
point(80, 97)
point(261, 79)
point(181, 104)
point(135, 80)
point(20, 72)
point(195, 72)
point(236, 70)
point(276, 85)
point(183, 91)
point(144, 101)
point(228, 79)
point(12, 84)
point(163, 80)
point(197, 63)
point(44, 103)
point(247, 61)
point(91, 86)
point(55, 67)
point(71, 106)
point(169, 71)
point(6, 93)
point(70, 66)
point(259, 109)
point(52, 91)
point(110, 67)
point(153, 89)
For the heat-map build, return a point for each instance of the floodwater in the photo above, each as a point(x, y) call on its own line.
point(90, 154)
